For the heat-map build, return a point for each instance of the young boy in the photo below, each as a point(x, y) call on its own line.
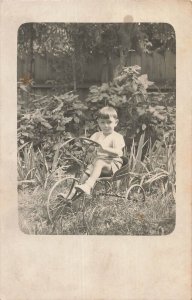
point(108, 157)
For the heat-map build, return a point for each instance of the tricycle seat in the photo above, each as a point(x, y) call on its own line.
point(122, 172)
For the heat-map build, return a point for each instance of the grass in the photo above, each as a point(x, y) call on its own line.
point(101, 216)
point(104, 215)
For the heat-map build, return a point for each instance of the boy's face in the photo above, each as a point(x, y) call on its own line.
point(107, 125)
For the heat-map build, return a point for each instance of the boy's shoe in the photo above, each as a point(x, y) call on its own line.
point(61, 196)
point(67, 202)
point(84, 187)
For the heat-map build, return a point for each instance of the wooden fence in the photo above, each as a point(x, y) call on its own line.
point(158, 67)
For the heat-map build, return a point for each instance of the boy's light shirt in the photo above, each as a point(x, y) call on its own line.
point(114, 140)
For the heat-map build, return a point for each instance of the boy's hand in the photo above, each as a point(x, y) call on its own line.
point(109, 150)
point(102, 148)
point(91, 149)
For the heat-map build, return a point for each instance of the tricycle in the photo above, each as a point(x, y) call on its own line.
point(63, 196)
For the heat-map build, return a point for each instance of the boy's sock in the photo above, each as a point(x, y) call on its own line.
point(87, 186)
point(90, 182)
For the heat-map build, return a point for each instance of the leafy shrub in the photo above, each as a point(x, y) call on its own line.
point(128, 88)
point(48, 120)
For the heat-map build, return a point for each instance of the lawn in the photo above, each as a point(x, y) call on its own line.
point(99, 216)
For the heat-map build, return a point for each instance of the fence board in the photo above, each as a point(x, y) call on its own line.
point(158, 67)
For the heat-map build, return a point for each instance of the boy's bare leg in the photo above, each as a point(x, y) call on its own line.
point(82, 180)
point(99, 165)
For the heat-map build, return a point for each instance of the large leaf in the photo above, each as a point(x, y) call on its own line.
point(45, 124)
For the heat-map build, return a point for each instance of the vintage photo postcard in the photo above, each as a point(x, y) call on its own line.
point(95, 150)
point(96, 106)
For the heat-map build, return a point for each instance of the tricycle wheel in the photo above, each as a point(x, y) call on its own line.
point(101, 188)
point(58, 202)
point(135, 193)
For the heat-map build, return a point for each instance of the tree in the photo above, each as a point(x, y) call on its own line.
point(158, 36)
point(78, 43)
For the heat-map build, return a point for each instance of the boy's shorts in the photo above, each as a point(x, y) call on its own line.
point(114, 164)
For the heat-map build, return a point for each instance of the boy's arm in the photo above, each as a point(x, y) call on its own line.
point(94, 139)
point(109, 150)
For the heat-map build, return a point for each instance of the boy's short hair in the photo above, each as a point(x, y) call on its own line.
point(106, 113)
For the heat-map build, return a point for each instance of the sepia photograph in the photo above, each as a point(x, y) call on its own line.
point(95, 150)
point(96, 128)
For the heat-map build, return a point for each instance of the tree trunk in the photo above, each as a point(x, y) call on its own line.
point(74, 72)
point(31, 67)
point(126, 34)
point(122, 57)
point(107, 71)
